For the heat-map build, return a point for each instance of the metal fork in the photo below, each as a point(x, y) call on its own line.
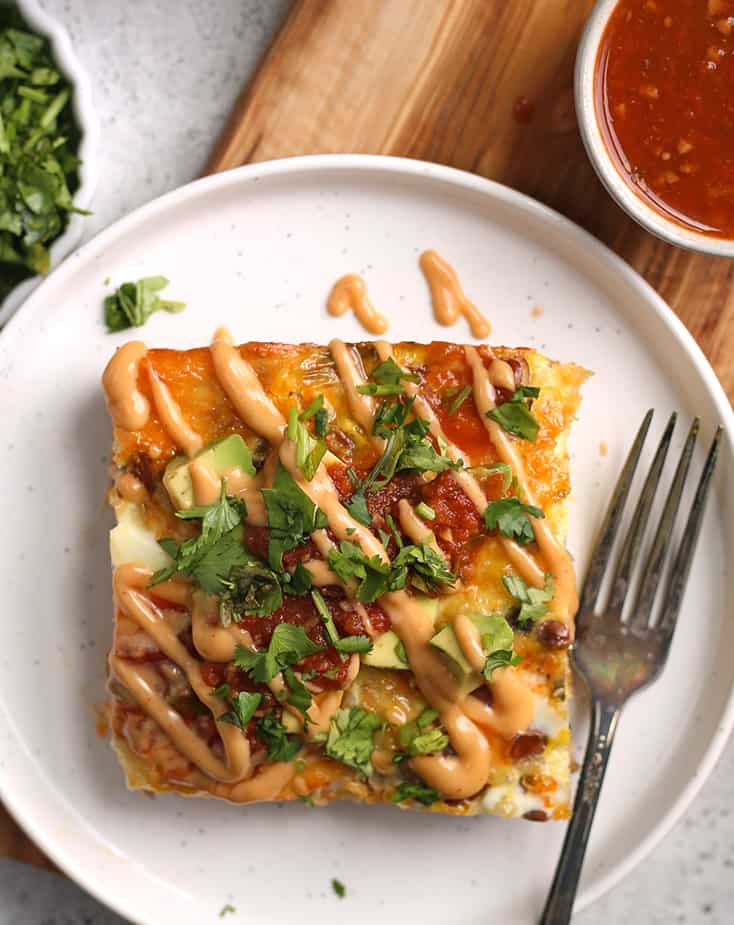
point(618, 657)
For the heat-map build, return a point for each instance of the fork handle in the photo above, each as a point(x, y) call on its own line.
point(559, 905)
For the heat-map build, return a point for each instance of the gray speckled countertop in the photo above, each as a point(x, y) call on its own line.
point(166, 75)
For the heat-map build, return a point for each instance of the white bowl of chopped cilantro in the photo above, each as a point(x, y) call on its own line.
point(47, 143)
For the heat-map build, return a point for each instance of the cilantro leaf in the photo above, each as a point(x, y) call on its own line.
point(38, 138)
point(533, 601)
point(351, 738)
point(288, 645)
point(243, 709)
point(400, 652)
point(299, 696)
point(387, 377)
point(428, 569)
point(373, 576)
point(253, 589)
point(339, 888)
point(309, 452)
point(316, 405)
point(217, 518)
point(512, 518)
point(292, 516)
point(420, 792)
point(501, 658)
point(211, 556)
point(131, 304)
point(357, 507)
point(298, 582)
point(417, 741)
point(461, 397)
point(354, 644)
point(326, 617)
point(498, 468)
point(280, 745)
point(515, 417)
point(497, 642)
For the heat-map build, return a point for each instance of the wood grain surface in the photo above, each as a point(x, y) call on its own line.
point(438, 80)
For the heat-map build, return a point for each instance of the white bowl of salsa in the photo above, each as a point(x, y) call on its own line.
point(655, 107)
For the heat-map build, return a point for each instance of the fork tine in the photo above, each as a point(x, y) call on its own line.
point(633, 540)
point(656, 558)
point(684, 557)
point(597, 568)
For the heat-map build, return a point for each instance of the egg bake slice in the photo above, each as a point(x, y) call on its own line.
point(340, 572)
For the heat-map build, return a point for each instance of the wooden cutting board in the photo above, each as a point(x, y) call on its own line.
point(440, 80)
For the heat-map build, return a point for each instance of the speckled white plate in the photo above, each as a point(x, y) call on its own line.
point(257, 249)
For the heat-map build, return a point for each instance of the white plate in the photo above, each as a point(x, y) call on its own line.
point(257, 249)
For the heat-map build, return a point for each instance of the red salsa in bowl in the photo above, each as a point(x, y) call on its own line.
point(664, 97)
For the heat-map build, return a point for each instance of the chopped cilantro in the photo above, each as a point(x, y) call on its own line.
point(253, 589)
point(326, 617)
point(222, 692)
point(351, 738)
point(533, 601)
point(211, 556)
point(515, 417)
point(512, 518)
point(38, 166)
point(131, 304)
point(288, 645)
point(299, 696)
point(226, 909)
point(243, 709)
point(354, 644)
point(420, 792)
point(339, 888)
point(297, 582)
point(309, 452)
point(292, 516)
point(417, 741)
point(321, 423)
point(280, 746)
point(400, 652)
point(461, 397)
point(497, 642)
point(387, 378)
point(498, 468)
point(427, 568)
point(425, 511)
point(371, 574)
point(502, 658)
point(357, 507)
point(427, 716)
point(316, 405)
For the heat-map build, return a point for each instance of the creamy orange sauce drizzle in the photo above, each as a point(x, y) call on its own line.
point(501, 374)
point(558, 561)
point(414, 528)
point(131, 488)
point(521, 558)
point(127, 405)
point(450, 301)
point(456, 776)
point(171, 418)
point(351, 375)
point(350, 292)
point(129, 583)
